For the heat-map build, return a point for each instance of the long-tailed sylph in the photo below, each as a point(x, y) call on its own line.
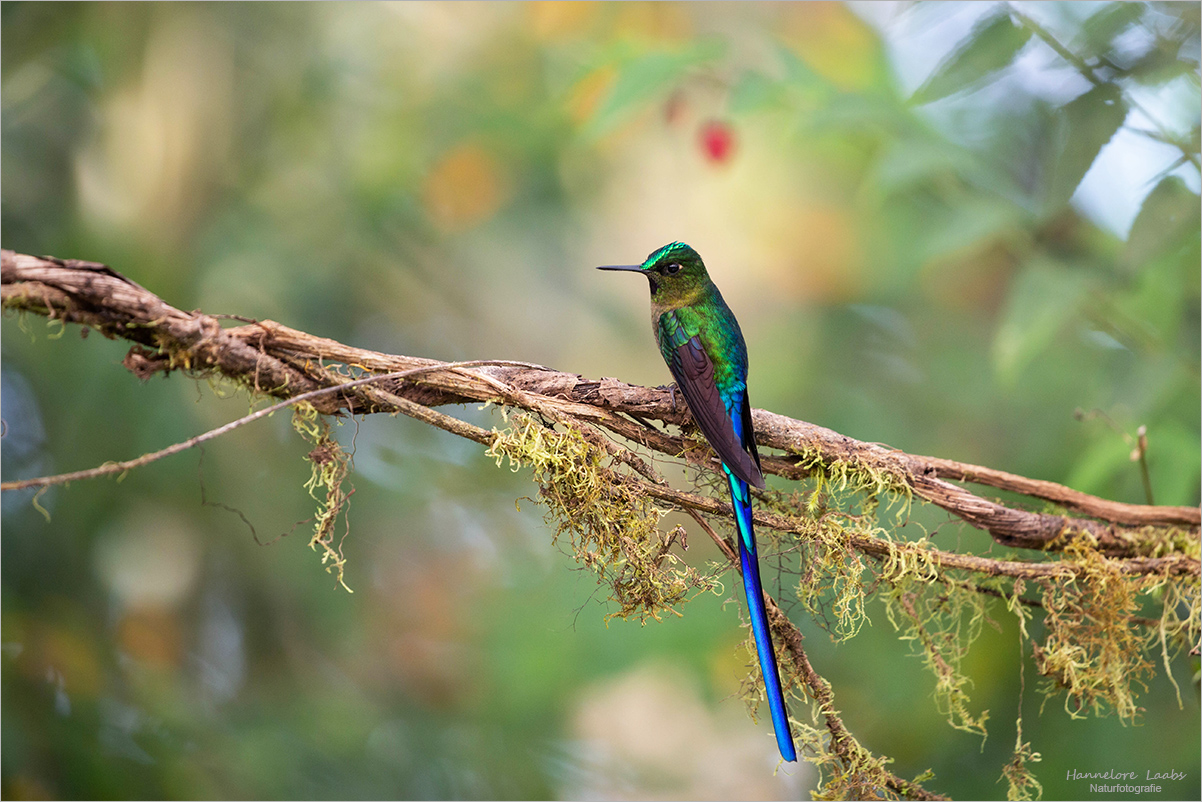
point(700, 340)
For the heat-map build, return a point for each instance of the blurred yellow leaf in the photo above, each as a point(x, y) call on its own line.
point(835, 43)
point(464, 188)
point(658, 21)
point(164, 137)
point(587, 93)
point(550, 19)
point(828, 258)
point(151, 635)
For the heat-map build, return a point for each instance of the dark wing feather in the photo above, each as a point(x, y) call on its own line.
point(694, 374)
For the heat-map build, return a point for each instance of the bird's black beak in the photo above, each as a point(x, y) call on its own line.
point(635, 268)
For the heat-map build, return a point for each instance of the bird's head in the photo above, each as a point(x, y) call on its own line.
point(675, 271)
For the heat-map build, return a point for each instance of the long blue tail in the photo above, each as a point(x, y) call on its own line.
point(741, 501)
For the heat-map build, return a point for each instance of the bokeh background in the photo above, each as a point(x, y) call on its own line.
point(962, 229)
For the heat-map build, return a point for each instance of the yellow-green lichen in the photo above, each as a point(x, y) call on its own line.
point(845, 478)
point(1093, 650)
point(836, 574)
point(1021, 784)
point(612, 525)
point(942, 619)
point(330, 466)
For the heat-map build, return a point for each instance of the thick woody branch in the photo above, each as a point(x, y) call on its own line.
point(282, 362)
point(276, 361)
point(1175, 564)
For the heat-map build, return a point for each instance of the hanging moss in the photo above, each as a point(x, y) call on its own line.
point(1095, 649)
point(942, 619)
point(1021, 784)
point(330, 466)
point(611, 524)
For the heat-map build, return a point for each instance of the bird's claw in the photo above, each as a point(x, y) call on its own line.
point(671, 388)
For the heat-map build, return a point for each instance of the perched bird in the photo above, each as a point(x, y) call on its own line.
point(703, 346)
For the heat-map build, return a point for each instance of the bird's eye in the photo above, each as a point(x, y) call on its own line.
point(672, 269)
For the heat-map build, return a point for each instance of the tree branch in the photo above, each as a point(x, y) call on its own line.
point(276, 361)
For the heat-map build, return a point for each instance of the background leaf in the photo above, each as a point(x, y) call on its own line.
point(1085, 125)
point(646, 76)
point(1169, 214)
point(1111, 19)
point(1042, 299)
point(991, 46)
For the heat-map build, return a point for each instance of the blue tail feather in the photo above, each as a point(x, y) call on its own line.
point(741, 501)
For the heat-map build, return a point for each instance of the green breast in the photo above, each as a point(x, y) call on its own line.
point(712, 323)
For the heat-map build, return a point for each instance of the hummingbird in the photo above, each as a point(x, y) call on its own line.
point(700, 340)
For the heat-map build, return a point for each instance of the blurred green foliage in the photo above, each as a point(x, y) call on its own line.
point(969, 230)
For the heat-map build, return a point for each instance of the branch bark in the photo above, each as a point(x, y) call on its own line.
point(279, 361)
point(291, 365)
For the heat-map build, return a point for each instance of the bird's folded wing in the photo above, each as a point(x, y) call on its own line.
point(694, 374)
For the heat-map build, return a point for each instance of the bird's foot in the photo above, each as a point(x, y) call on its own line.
point(671, 388)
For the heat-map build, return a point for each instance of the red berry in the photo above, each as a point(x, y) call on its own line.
point(717, 141)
